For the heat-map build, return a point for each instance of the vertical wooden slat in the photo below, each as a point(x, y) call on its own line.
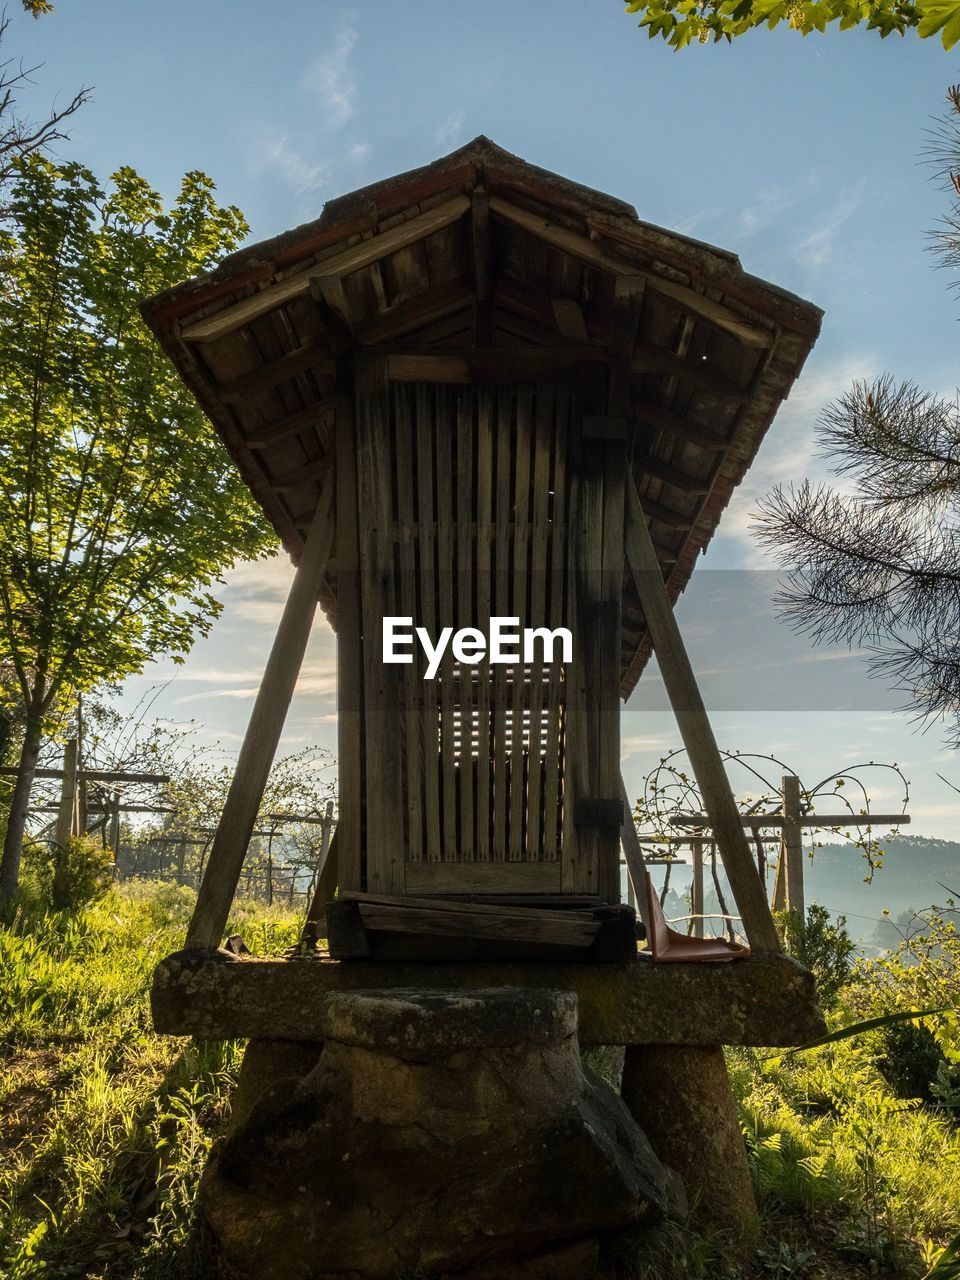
point(695, 729)
point(519, 608)
point(465, 612)
point(428, 615)
point(557, 615)
point(444, 426)
point(350, 736)
point(409, 676)
point(383, 796)
point(608, 683)
point(503, 517)
point(484, 563)
point(539, 568)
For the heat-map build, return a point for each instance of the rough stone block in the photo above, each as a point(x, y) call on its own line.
point(453, 1131)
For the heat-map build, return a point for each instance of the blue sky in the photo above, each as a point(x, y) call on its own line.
point(802, 156)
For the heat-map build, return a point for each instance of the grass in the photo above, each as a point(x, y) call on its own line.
point(105, 1127)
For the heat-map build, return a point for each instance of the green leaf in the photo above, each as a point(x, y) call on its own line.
point(871, 1024)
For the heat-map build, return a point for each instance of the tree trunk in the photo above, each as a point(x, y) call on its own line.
point(19, 804)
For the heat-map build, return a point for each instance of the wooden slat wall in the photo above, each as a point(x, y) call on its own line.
point(464, 500)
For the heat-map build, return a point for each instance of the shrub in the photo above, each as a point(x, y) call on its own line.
point(824, 947)
point(66, 878)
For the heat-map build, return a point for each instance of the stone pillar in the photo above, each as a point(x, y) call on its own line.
point(452, 1131)
point(680, 1096)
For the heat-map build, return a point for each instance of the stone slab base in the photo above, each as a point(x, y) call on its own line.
point(451, 1131)
point(765, 1000)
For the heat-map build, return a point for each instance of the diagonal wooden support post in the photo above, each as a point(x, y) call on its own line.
point(695, 729)
point(633, 854)
point(263, 733)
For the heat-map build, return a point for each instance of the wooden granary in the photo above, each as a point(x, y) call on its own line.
point(480, 390)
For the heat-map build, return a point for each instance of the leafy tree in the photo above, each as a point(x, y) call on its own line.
point(118, 506)
point(878, 566)
point(680, 22)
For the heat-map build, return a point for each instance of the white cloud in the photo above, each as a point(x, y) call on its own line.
point(449, 131)
point(816, 250)
point(333, 80)
point(302, 176)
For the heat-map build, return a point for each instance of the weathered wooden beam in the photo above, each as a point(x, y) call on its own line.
point(657, 511)
point(648, 357)
point(304, 474)
point(589, 251)
point(696, 730)
point(764, 1000)
point(263, 733)
point(406, 317)
point(353, 259)
point(496, 363)
point(569, 317)
point(777, 820)
point(307, 358)
point(653, 415)
point(633, 854)
point(266, 436)
point(671, 474)
point(482, 249)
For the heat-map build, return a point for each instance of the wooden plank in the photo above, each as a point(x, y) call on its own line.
point(480, 239)
point(382, 788)
point(308, 419)
point(222, 872)
point(607, 260)
point(519, 582)
point(569, 317)
point(809, 820)
point(484, 564)
point(350, 734)
point(269, 376)
point(793, 844)
point(484, 877)
point(670, 474)
point(695, 729)
point(666, 515)
point(696, 887)
point(301, 475)
point(538, 616)
point(648, 357)
point(530, 927)
point(466, 611)
point(407, 317)
point(444, 589)
point(353, 259)
point(502, 522)
point(409, 677)
point(653, 415)
point(614, 462)
point(426, 543)
point(507, 907)
point(555, 604)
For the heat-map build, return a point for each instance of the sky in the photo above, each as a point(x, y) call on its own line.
point(803, 156)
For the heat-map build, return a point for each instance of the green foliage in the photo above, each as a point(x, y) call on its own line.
point(680, 22)
point(824, 947)
point(58, 879)
point(104, 1126)
point(118, 505)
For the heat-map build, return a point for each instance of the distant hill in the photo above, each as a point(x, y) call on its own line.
point(914, 872)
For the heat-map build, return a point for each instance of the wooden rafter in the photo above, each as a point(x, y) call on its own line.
point(283, 428)
point(589, 251)
point(268, 376)
point(353, 259)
